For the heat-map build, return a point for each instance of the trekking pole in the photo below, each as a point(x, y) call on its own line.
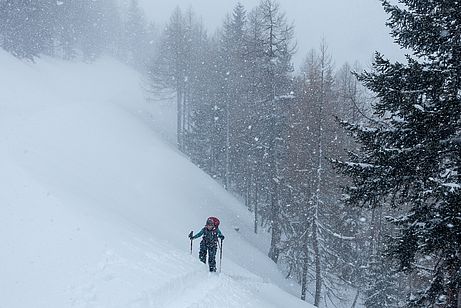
point(190, 236)
point(220, 256)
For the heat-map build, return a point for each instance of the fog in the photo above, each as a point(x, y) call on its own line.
point(353, 29)
point(345, 177)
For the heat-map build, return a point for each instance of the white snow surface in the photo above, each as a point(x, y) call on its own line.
point(96, 206)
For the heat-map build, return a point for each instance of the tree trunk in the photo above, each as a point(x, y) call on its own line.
point(275, 240)
point(179, 117)
point(318, 277)
point(256, 206)
point(247, 183)
point(355, 299)
point(315, 233)
point(275, 208)
point(459, 297)
point(185, 100)
point(304, 271)
point(276, 234)
point(228, 147)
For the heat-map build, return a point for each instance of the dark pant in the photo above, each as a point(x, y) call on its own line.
point(211, 248)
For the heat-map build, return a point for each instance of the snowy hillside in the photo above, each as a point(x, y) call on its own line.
point(96, 207)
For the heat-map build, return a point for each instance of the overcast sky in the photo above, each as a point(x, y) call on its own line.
point(353, 29)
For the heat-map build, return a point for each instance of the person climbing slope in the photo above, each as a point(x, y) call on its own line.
point(209, 244)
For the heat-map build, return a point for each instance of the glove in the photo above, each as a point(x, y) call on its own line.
point(221, 237)
point(191, 235)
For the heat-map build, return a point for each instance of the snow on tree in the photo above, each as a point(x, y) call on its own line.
point(411, 155)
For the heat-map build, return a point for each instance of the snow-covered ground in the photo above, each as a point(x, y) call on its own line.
point(96, 205)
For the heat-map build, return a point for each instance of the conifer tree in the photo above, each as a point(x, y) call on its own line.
point(234, 76)
point(26, 27)
point(69, 28)
point(168, 71)
point(136, 38)
point(411, 153)
point(382, 284)
point(275, 60)
point(315, 137)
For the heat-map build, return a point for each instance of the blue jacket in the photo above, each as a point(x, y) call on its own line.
point(210, 236)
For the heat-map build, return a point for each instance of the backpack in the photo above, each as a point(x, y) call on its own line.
point(214, 220)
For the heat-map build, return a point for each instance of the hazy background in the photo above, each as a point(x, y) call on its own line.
point(353, 29)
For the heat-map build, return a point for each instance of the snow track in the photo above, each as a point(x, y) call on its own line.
point(96, 207)
point(166, 278)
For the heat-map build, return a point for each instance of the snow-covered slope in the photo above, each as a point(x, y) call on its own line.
point(96, 207)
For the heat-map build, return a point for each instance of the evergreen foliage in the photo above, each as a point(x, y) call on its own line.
point(410, 156)
point(29, 29)
point(266, 134)
point(246, 120)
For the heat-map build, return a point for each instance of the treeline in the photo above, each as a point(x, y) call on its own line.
point(409, 164)
point(82, 29)
point(279, 138)
point(265, 132)
point(243, 115)
point(271, 136)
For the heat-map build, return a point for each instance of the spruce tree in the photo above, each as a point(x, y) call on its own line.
point(135, 34)
point(411, 153)
point(26, 27)
point(381, 285)
point(169, 69)
point(234, 85)
point(69, 28)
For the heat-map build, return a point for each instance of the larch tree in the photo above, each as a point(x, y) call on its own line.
point(277, 49)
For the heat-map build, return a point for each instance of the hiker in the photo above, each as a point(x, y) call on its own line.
point(210, 234)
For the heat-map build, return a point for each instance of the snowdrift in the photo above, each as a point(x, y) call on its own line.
point(96, 204)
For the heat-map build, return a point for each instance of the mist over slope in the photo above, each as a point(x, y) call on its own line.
point(96, 205)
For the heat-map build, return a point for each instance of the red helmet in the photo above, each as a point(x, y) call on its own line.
point(212, 221)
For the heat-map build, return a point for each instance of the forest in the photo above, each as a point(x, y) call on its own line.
point(353, 172)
